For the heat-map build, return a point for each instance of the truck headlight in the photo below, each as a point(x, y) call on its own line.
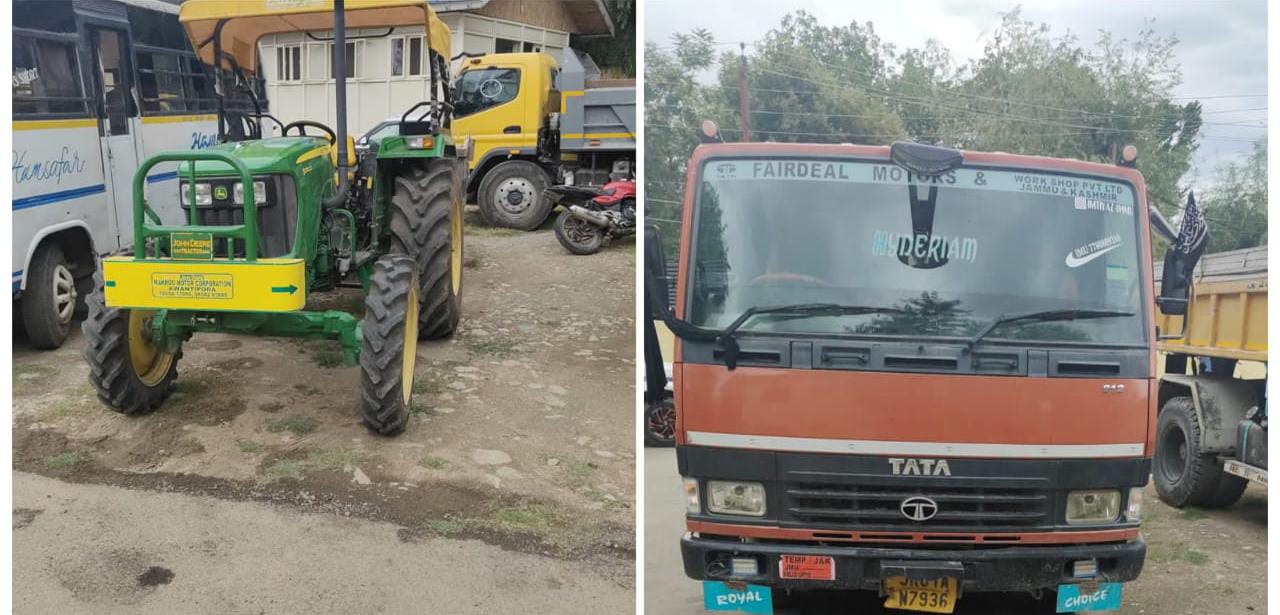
point(1133, 512)
point(204, 194)
point(259, 193)
point(1096, 506)
point(735, 498)
point(692, 505)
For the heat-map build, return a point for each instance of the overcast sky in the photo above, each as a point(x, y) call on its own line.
point(1222, 44)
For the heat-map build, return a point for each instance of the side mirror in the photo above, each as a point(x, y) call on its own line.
point(656, 287)
point(1175, 284)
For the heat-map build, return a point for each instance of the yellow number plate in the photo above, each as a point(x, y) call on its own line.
point(932, 596)
point(268, 285)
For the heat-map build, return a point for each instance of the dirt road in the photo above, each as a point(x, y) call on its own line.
point(522, 437)
point(1197, 561)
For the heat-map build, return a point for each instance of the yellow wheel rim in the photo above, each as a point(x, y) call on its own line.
point(455, 248)
point(410, 353)
point(149, 363)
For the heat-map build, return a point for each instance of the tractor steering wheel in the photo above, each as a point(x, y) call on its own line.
point(301, 124)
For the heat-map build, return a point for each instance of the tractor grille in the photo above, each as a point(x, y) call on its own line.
point(277, 218)
point(959, 508)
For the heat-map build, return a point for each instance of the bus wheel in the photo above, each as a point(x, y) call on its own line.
point(390, 344)
point(1182, 473)
point(511, 195)
point(50, 300)
point(131, 375)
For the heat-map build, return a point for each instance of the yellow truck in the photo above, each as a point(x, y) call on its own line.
point(534, 123)
point(1211, 431)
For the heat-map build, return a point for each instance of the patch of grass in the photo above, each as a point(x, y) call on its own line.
point(429, 383)
point(282, 468)
point(493, 231)
point(471, 261)
point(60, 409)
point(250, 446)
point(1191, 513)
point(445, 527)
point(63, 461)
point(434, 463)
point(420, 408)
point(338, 458)
point(577, 472)
point(31, 372)
point(498, 347)
point(550, 523)
point(1176, 552)
point(328, 358)
point(191, 388)
point(296, 425)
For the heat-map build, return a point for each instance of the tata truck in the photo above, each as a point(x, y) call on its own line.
point(534, 123)
point(911, 370)
point(1211, 433)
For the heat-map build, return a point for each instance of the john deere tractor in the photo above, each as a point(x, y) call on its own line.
point(268, 222)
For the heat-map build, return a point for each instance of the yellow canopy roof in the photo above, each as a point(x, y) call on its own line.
point(250, 20)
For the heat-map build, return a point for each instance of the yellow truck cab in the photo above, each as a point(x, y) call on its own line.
point(534, 123)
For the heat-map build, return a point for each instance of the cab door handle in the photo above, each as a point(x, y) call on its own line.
point(511, 130)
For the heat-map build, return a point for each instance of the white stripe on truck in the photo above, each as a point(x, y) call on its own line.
point(885, 447)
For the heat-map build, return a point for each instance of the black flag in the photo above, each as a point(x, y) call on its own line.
point(1193, 233)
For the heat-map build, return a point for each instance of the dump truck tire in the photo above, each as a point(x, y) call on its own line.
point(50, 300)
point(577, 236)
point(1183, 475)
point(130, 375)
point(1230, 488)
point(510, 195)
point(390, 346)
point(426, 223)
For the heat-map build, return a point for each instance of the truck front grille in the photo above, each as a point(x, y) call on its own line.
point(959, 508)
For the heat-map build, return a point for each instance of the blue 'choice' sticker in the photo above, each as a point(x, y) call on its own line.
point(717, 596)
point(1078, 598)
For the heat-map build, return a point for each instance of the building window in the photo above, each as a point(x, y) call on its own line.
point(505, 45)
point(289, 63)
point(355, 51)
point(406, 56)
point(415, 56)
point(397, 57)
point(46, 78)
point(317, 61)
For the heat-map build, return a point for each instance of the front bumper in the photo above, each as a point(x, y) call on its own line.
point(264, 285)
point(1020, 568)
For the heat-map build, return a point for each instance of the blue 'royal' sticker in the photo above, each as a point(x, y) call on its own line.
point(1103, 597)
point(717, 596)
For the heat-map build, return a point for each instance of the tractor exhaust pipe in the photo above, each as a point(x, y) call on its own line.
point(589, 216)
point(340, 78)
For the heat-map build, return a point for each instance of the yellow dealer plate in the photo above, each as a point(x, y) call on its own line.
point(268, 285)
point(932, 596)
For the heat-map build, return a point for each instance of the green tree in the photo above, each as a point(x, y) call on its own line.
point(1236, 206)
point(615, 55)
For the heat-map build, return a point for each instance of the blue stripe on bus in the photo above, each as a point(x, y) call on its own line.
point(55, 197)
point(160, 177)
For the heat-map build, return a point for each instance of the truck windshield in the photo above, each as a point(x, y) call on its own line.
point(483, 88)
point(949, 254)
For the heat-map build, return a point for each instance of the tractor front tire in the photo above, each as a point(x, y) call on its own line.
point(390, 344)
point(511, 195)
point(426, 223)
point(1185, 476)
point(129, 373)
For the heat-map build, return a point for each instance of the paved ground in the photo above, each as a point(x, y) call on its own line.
point(522, 443)
point(1198, 562)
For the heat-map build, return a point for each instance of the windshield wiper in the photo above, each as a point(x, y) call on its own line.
point(729, 343)
point(1044, 316)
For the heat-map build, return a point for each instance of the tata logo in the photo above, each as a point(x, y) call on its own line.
point(918, 508)
point(920, 467)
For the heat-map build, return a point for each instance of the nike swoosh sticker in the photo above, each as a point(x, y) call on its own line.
point(1073, 262)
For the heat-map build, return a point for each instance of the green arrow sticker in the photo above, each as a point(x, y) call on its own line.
point(284, 289)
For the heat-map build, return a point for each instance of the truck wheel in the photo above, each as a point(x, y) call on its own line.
point(390, 344)
point(426, 223)
point(578, 236)
point(130, 374)
point(50, 300)
point(511, 195)
point(660, 423)
point(1182, 474)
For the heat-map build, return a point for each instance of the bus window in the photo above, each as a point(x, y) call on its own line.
point(46, 78)
point(113, 72)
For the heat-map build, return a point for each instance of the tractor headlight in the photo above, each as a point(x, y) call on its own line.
point(259, 193)
point(735, 498)
point(419, 142)
point(1096, 506)
point(204, 194)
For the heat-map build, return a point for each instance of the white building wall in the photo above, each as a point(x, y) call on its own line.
point(374, 94)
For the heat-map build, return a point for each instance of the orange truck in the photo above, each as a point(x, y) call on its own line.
point(912, 370)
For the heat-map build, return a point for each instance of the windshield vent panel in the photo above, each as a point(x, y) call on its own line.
point(845, 357)
point(924, 363)
point(1098, 364)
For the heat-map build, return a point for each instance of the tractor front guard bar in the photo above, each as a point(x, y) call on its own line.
point(247, 232)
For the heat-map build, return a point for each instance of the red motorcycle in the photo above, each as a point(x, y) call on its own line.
point(593, 215)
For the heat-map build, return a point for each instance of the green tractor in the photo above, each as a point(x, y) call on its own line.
point(271, 220)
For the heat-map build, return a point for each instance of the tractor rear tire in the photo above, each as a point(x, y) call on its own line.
point(390, 344)
point(426, 223)
point(511, 195)
point(1185, 476)
point(130, 375)
point(50, 301)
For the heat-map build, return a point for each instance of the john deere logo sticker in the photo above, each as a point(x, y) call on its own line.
point(192, 286)
point(191, 246)
point(220, 193)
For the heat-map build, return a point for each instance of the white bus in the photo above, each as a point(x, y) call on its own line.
point(97, 88)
